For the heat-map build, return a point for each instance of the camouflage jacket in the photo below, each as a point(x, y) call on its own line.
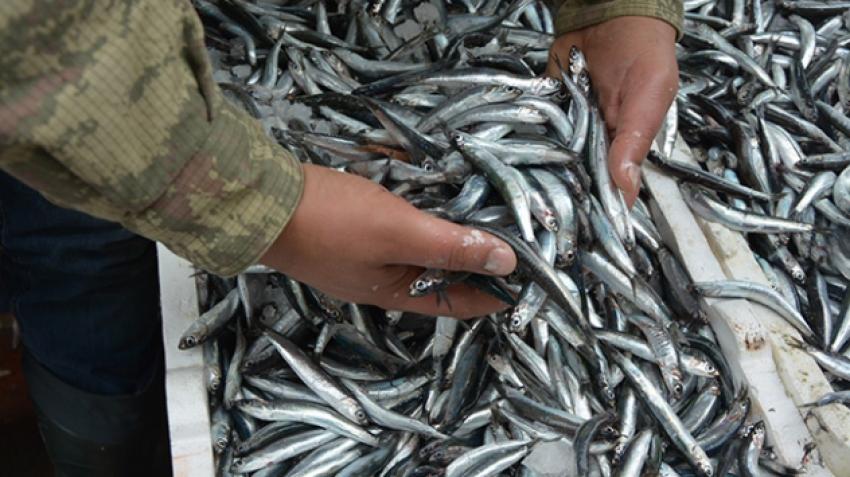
point(574, 14)
point(109, 107)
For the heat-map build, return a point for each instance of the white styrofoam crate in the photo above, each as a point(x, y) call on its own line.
point(753, 337)
point(188, 412)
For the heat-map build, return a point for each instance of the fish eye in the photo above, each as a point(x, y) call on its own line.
point(420, 285)
point(428, 168)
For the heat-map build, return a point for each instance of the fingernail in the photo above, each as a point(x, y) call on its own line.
point(634, 175)
point(499, 261)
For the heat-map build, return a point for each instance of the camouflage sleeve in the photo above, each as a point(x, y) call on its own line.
point(109, 107)
point(576, 14)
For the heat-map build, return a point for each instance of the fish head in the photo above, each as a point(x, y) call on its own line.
point(427, 283)
point(517, 316)
point(550, 222)
point(673, 381)
point(704, 368)
point(577, 61)
point(457, 139)
point(567, 258)
point(360, 417)
point(502, 93)
point(545, 86)
point(220, 444)
point(704, 468)
point(798, 274)
point(560, 96)
point(213, 382)
point(429, 165)
point(758, 433)
point(187, 342)
point(583, 81)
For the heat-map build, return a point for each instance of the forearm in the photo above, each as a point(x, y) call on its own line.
point(110, 108)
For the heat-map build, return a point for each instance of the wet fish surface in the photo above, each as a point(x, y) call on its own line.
point(444, 104)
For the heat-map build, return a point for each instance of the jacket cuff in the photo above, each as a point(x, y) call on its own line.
point(230, 201)
point(576, 14)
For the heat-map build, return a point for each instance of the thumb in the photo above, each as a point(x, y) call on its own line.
point(639, 117)
point(431, 242)
point(627, 152)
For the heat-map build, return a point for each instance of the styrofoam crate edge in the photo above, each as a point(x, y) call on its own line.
point(774, 388)
point(186, 396)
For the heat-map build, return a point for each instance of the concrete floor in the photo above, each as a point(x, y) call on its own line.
point(21, 450)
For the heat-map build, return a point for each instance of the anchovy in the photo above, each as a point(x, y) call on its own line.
point(316, 379)
point(744, 221)
point(308, 413)
point(636, 455)
point(698, 176)
point(443, 104)
point(210, 322)
point(390, 419)
point(282, 450)
point(468, 461)
point(664, 415)
point(836, 364)
point(759, 294)
point(233, 378)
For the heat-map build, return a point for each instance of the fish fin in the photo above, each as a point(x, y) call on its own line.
point(442, 295)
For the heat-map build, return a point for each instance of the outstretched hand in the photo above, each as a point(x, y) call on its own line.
point(632, 66)
point(356, 241)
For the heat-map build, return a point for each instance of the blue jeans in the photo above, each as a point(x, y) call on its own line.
point(86, 296)
point(84, 291)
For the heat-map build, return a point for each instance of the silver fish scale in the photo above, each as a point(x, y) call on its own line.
point(400, 395)
point(793, 144)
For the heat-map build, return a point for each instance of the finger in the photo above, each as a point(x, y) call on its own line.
point(431, 242)
point(610, 105)
point(641, 112)
point(555, 57)
point(460, 301)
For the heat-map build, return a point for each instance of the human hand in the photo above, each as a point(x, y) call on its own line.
point(633, 69)
point(356, 241)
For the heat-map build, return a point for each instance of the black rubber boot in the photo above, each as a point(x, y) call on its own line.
point(90, 435)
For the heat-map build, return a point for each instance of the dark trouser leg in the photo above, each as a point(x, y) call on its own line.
point(86, 296)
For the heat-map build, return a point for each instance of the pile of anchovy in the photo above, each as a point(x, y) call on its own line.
point(603, 363)
point(764, 103)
